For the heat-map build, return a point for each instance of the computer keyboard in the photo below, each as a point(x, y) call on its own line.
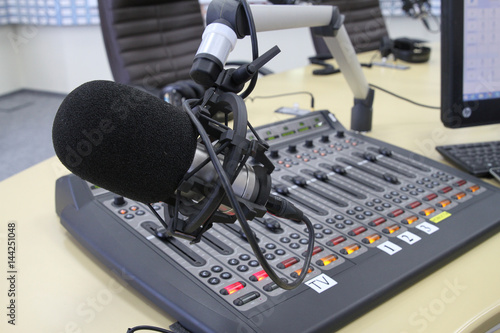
point(476, 158)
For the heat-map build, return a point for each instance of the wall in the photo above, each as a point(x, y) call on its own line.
point(10, 78)
point(56, 59)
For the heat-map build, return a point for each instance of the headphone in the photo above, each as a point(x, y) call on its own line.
point(418, 9)
point(406, 49)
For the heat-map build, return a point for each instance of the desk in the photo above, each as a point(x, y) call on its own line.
point(61, 288)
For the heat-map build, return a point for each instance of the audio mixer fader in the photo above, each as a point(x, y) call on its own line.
point(373, 206)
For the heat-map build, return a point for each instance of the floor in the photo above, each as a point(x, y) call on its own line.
point(26, 118)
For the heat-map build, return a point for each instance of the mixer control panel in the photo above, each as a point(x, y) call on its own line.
point(372, 205)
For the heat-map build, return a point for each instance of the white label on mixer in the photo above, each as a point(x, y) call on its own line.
point(389, 247)
point(427, 227)
point(321, 283)
point(409, 237)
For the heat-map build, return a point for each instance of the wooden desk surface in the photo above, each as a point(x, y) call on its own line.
point(61, 288)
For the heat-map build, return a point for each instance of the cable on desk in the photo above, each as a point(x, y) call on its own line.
point(285, 94)
point(149, 328)
point(403, 98)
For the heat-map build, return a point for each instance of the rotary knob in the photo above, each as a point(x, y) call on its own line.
point(292, 149)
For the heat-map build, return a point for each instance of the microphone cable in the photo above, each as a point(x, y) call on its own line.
point(404, 98)
point(252, 99)
point(227, 186)
point(149, 328)
point(255, 47)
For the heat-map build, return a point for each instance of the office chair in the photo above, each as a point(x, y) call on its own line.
point(363, 22)
point(151, 44)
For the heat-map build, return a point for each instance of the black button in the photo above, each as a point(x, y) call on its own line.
point(253, 263)
point(280, 252)
point(216, 269)
point(214, 280)
point(242, 268)
point(270, 256)
point(205, 274)
point(233, 262)
point(247, 298)
point(270, 246)
point(285, 240)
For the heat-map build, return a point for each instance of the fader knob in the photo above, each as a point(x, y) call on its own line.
point(309, 144)
point(340, 134)
point(385, 151)
point(272, 224)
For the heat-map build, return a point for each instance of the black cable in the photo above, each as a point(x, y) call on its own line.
point(255, 47)
point(438, 23)
point(285, 94)
point(226, 184)
point(404, 98)
point(147, 327)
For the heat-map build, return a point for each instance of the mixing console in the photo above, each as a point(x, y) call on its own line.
point(383, 218)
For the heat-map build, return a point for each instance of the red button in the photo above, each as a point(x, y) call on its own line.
point(377, 222)
point(414, 204)
point(430, 197)
point(395, 213)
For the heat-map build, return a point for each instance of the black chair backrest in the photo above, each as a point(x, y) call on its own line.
point(151, 43)
point(364, 23)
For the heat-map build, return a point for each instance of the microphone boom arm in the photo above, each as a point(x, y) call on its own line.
point(226, 22)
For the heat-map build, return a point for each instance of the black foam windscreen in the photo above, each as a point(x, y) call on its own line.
point(124, 140)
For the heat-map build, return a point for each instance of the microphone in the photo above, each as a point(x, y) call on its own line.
point(137, 146)
point(124, 140)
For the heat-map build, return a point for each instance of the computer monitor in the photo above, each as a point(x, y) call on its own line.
point(470, 62)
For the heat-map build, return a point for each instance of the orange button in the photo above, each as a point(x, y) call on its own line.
point(325, 261)
point(443, 203)
point(459, 195)
point(350, 249)
point(473, 188)
point(371, 239)
point(391, 229)
point(427, 211)
point(410, 219)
